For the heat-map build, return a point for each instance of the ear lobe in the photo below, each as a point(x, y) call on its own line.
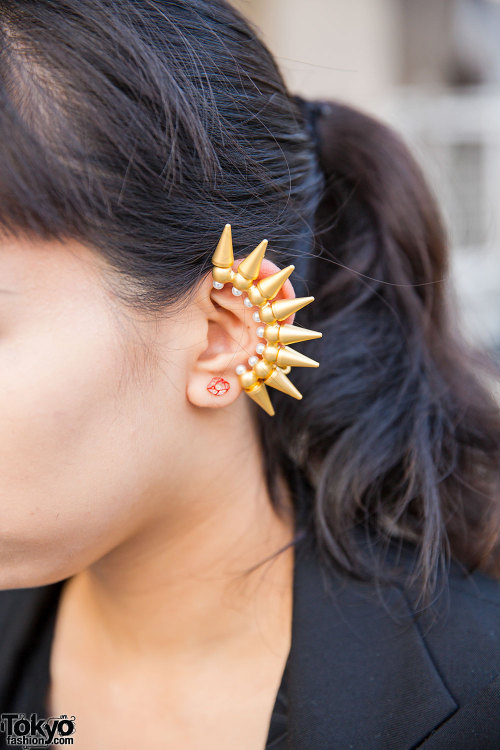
point(229, 339)
point(212, 380)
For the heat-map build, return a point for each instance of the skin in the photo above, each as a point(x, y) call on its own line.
point(123, 474)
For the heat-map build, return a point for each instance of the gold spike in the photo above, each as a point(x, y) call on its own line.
point(260, 395)
point(223, 256)
point(270, 286)
point(248, 379)
point(262, 369)
point(277, 379)
point(283, 308)
point(270, 353)
point(272, 333)
point(250, 267)
point(288, 356)
point(289, 334)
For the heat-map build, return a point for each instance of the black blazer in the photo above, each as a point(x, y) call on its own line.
point(371, 675)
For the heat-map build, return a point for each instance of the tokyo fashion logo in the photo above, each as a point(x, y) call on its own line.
point(34, 732)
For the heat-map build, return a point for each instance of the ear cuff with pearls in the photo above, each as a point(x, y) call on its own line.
point(275, 358)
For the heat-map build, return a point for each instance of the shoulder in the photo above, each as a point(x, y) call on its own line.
point(463, 644)
point(461, 629)
point(413, 676)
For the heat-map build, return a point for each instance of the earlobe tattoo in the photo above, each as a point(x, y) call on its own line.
point(276, 358)
point(218, 386)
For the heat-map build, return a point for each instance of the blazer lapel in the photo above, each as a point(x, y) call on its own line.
point(357, 678)
point(473, 727)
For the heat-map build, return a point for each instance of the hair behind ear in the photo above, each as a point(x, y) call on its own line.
point(397, 432)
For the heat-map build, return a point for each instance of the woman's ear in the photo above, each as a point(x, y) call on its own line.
point(229, 338)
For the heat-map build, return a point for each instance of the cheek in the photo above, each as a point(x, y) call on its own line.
point(71, 473)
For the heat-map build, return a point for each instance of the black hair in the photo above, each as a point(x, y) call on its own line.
point(141, 127)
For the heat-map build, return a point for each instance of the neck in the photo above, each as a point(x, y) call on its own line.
point(182, 585)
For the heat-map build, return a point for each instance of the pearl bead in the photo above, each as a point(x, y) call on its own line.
point(240, 369)
point(253, 360)
point(247, 302)
point(256, 317)
point(260, 331)
point(218, 285)
point(236, 292)
point(260, 348)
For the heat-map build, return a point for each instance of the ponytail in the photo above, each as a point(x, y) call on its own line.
point(397, 436)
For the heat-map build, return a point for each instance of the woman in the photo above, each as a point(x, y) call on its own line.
point(180, 566)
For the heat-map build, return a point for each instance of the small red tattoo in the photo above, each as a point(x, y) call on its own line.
point(218, 386)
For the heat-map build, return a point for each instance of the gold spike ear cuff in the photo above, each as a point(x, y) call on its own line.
point(275, 358)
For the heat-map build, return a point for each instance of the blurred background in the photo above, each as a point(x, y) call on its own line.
point(430, 68)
